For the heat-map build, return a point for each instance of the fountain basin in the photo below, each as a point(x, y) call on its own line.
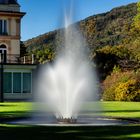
point(66, 120)
point(80, 121)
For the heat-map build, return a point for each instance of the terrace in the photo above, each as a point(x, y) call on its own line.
point(17, 59)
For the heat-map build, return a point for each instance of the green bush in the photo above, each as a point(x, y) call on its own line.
point(127, 91)
point(122, 86)
point(109, 94)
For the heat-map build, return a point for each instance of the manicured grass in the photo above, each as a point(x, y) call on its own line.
point(112, 109)
point(115, 109)
point(122, 109)
point(14, 109)
point(70, 133)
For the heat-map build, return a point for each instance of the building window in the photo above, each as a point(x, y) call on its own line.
point(17, 82)
point(7, 82)
point(26, 83)
point(3, 27)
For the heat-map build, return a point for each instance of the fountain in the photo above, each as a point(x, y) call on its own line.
point(70, 80)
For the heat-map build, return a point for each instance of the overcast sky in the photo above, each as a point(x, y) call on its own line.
point(47, 15)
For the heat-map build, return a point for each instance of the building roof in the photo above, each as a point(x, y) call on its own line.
point(9, 2)
point(12, 13)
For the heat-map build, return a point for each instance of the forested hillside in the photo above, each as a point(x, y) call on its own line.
point(108, 28)
point(100, 30)
point(113, 39)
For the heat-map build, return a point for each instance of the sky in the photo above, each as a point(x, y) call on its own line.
point(47, 15)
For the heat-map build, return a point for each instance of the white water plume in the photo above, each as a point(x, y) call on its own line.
point(70, 80)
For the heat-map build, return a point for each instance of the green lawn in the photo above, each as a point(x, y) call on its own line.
point(70, 133)
point(112, 109)
point(14, 109)
point(115, 109)
point(122, 109)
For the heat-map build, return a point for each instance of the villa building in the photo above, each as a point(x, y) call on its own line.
point(15, 72)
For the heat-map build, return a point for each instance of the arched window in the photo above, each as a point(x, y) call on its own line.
point(3, 53)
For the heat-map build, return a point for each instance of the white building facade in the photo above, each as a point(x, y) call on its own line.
point(16, 74)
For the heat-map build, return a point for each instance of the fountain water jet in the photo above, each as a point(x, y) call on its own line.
point(70, 80)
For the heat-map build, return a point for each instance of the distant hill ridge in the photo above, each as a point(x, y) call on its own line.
point(100, 30)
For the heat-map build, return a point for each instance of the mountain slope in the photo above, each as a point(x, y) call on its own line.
point(100, 30)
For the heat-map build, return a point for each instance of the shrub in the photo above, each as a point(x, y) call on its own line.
point(122, 86)
point(109, 94)
point(126, 91)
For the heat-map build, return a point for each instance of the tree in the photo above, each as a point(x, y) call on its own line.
point(45, 55)
point(137, 18)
